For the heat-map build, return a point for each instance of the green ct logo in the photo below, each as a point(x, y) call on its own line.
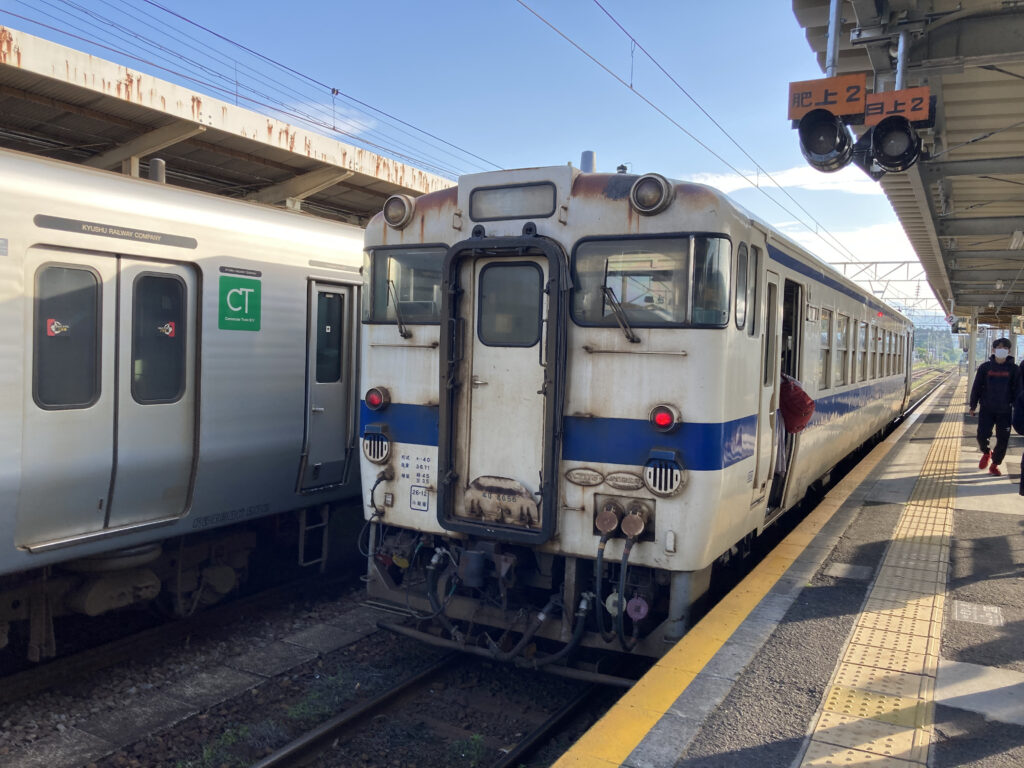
point(239, 304)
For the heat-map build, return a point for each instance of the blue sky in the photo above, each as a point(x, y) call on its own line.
point(491, 78)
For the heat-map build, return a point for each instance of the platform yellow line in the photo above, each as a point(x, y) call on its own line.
point(879, 705)
point(610, 741)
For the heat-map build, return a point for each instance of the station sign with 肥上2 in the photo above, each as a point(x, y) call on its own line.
point(239, 304)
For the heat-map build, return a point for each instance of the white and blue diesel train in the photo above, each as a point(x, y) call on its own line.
point(571, 387)
point(176, 367)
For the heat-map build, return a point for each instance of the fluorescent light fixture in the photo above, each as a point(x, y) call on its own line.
point(1017, 240)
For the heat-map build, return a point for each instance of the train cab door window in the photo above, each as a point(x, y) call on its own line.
point(405, 285)
point(842, 344)
point(741, 285)
point(329, 340)
point(824, 347)
point(712, 262)
point(509, 305)
point(66, 356)
point(158, 339)
point(330, 421)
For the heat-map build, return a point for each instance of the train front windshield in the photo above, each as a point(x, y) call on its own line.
point(410, 278)
point(651, 279)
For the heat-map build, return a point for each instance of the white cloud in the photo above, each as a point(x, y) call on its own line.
point(850, 180)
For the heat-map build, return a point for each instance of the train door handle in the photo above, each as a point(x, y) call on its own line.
point(317, 409)
point(478, 382)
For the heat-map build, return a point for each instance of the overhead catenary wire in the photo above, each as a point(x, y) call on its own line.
point(815, 230)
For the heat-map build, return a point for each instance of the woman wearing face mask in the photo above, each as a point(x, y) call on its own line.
point(995, 387)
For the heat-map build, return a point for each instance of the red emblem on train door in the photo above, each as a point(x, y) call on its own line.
point(55, 327)
point(167, 329)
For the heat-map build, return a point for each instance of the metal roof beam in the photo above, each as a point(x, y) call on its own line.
point(989, 225)
point(146, 144)
point(1003, 254)
point(967, 276)
point(979, 167)
point(301, 186)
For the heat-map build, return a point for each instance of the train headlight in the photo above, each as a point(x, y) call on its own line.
point(664, 418)
point(377, 398)
point(895, 144)
point(825, 140)
point(650, 194)
point(398, 210)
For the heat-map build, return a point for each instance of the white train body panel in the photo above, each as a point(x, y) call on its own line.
point(209, 431)
point(463, 420)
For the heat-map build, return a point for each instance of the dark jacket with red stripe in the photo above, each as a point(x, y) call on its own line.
point(995, 386)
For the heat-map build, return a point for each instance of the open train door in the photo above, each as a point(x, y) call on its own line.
point(502, 384)
point(768, 395)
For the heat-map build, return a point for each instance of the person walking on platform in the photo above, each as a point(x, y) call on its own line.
point(995, 387)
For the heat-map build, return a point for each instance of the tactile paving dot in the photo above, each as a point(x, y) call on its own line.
point(894, 622)
point(895, 710)
point(821, 754)
point(886, 681)
point(869, 736)
point(896, 641)
point(871, 656)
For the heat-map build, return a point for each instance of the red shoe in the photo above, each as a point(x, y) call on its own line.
point(994, 470)
point(984, 459)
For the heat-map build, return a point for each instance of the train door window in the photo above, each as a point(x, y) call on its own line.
point(329, 338)
point(158, 339)
point(510, 305)
point(66, 354)
point(888, 353)
point(862, 352)
point(753, 267)
point(741, 285)
point(712, 259)
point(769, 335)
point(824, 347)
point(842, 343)
point(876, 342)
point(410, 278)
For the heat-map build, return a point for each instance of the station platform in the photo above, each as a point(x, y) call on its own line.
point(886, 630)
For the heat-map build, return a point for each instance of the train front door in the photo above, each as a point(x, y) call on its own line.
point(109, 394)
point(503, 369)
point(330, 378)
point(505, 413)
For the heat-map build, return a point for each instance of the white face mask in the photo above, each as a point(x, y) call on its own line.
point(1001, 354)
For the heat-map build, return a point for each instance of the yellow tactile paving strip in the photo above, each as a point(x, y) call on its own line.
point(878, 708)
point(610, 741)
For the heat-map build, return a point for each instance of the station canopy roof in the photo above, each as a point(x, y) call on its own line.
point(963, 204)
point(68, 105)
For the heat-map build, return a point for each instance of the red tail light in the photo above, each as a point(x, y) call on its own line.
point(664, 418)
point(377, 398)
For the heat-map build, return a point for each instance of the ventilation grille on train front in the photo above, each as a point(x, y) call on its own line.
point(376, 447)
point(663, 478)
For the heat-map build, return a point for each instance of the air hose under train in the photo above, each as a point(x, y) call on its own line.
point(607, 523)
point(435, 603)
point(554, 602)
point(633, 525)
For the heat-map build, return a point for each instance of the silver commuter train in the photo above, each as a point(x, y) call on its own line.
point(571, 393)
point(173, 362)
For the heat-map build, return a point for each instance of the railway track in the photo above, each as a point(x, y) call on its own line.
point(401, 703)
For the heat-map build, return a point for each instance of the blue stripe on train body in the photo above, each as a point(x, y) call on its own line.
point(702, 446)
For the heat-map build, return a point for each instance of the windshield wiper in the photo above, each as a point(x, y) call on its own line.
point(620, 314)
point(404, 332)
